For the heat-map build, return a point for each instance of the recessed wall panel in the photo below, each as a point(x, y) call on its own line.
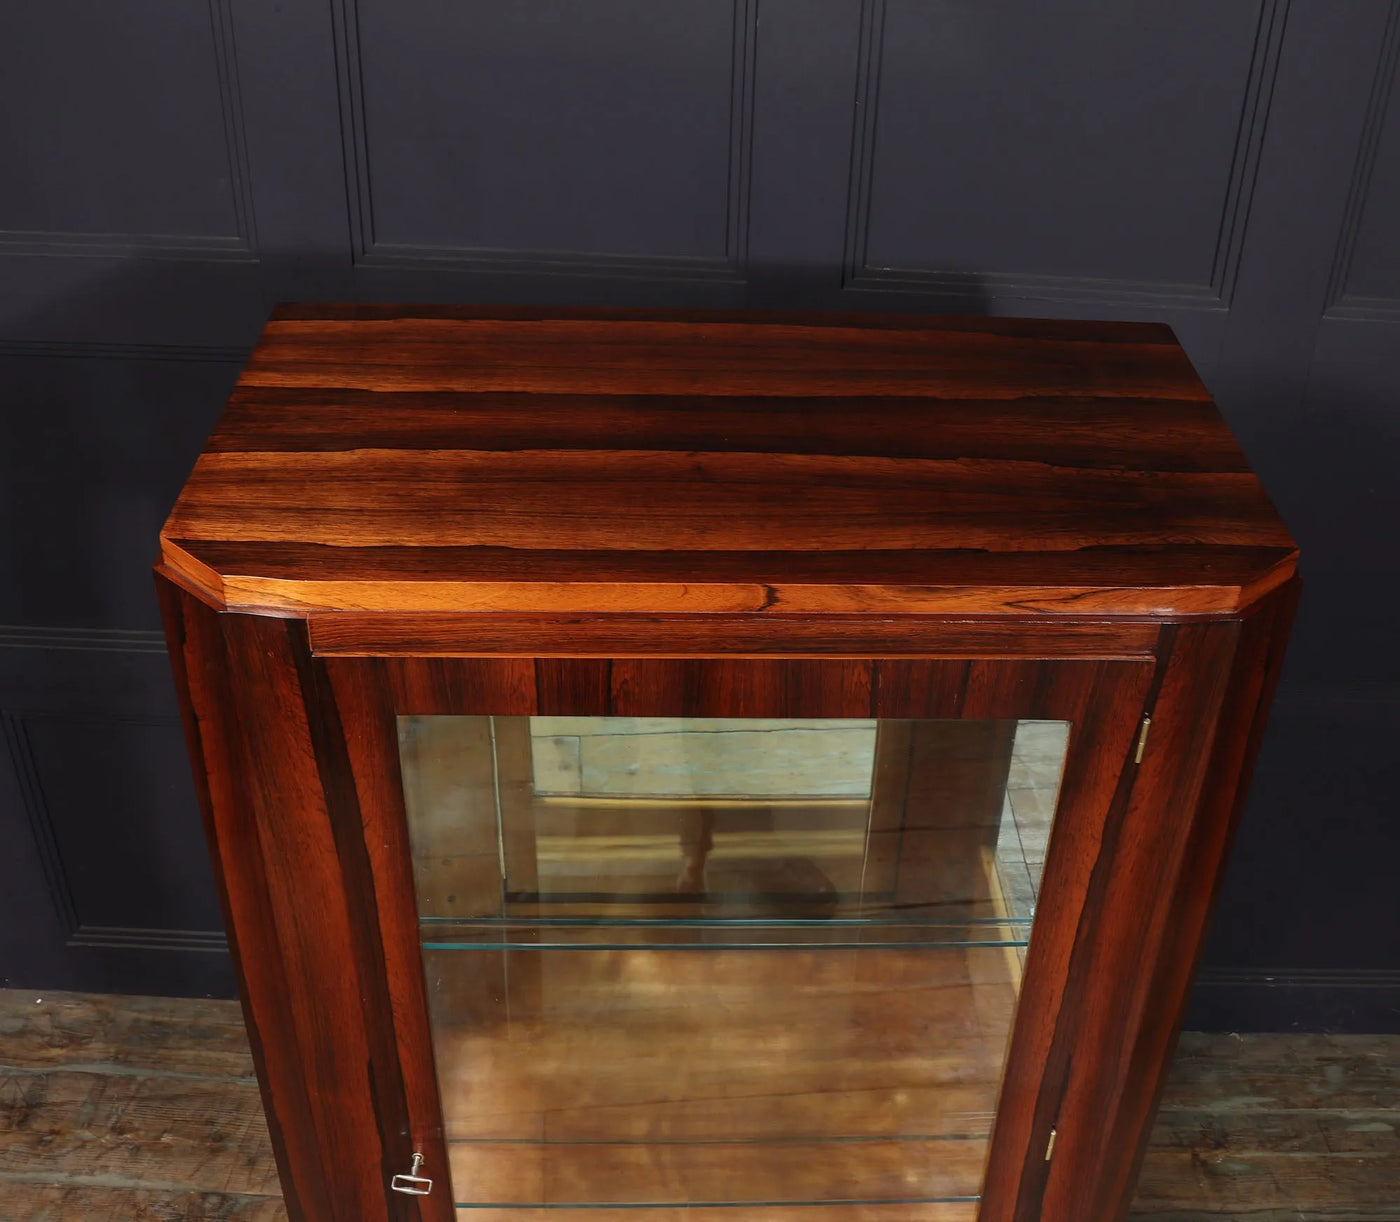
point(114, 123)
point(1093, 141)
point(545, 126)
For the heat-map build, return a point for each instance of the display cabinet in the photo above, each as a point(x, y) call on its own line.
point(702, 766)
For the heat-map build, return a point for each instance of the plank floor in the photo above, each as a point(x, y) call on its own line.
point(141, 1109)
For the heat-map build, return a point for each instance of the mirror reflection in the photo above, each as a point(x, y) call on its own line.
point(678, 961)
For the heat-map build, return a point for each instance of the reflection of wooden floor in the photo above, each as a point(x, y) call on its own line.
point(751, 1173)
point(720, 1075)
point(130, 1109)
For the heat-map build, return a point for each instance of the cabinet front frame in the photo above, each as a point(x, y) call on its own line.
point(298, 774)
point(1102, 701)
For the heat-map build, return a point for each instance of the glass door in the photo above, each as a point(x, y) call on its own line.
point(677, 964)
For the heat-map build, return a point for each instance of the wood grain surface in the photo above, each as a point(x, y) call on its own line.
point(384, 634)
point(288, 852)
point(441, 460)
point(1157, 877)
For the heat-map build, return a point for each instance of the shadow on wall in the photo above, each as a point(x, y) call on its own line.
point(1305, 936)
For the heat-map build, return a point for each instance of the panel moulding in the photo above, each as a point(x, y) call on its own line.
point(16, 737)
point(860, 275)
point(114, 937)
point(1341, 303)
point(367, 251)
point(238, 247)
point(106, 640)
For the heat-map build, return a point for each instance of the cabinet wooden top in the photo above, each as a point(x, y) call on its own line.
point(443, 459)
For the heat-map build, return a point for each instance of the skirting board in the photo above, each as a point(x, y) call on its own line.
point(1356, 1001)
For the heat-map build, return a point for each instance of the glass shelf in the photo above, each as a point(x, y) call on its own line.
point(444, 934)
point(590, 1061)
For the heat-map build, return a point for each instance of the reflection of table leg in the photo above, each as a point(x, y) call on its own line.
point(697, 839)
point(936, 807)
point(516, 792)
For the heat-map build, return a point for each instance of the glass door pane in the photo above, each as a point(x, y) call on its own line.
point(703, 963)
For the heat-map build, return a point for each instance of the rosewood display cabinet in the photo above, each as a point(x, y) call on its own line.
point(718, 766)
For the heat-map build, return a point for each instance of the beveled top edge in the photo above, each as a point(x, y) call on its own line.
point(291, 598)
point(1051, 328)
point(429, 459)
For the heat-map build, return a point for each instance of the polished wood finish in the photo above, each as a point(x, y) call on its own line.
point(1180, 859)
point(361, 692)
point(351, 634)
point(436, 460)
point(289, 856)
point(445, 510)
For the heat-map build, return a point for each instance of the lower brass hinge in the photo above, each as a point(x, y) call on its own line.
point(1050, 1145)
point(1142, 739)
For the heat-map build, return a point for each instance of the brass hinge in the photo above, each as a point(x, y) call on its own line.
point(1142, 739)
point(1050, 1145)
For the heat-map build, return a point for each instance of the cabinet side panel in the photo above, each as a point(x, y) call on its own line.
point(1137, 944)
point(195, 641)
point(291, 916)
point(199, 665)
point(1195, 889)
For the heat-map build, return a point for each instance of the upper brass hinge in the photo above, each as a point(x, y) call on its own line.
point(1050, 1145)
point(1142, 739)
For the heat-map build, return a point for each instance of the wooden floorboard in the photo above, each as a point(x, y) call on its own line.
point(1277, 1128)
point(145, 1110)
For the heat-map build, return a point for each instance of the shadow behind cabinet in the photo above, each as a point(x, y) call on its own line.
point(703, 765)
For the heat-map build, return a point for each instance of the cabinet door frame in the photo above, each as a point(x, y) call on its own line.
point(298, 771)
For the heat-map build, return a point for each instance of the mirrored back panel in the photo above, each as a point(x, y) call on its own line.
point(683, 962)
